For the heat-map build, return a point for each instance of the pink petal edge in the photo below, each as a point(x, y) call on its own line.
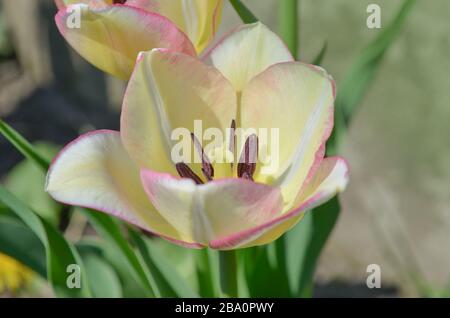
point(235, 239)
point(209, 51)
point(188, 47)
point(320, 152)
point(112, 212)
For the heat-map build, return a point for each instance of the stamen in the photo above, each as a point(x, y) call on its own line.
point(247, 176)
point(185, 172)
point(247, 162)
point(233, 140)
point(207, 168)
point(119, 1)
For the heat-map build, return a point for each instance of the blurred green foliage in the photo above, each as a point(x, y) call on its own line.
point(27, 181)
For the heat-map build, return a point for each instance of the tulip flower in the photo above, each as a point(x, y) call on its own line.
point(253, 82)
point(111, 33)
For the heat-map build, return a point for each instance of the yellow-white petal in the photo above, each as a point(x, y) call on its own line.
point(199, 19)
point(212, 211)
point(246, 52)
point(295, 99)
point(111, 38)
point(95, 171)
point(330, 178)
point(170, 90)
point(91, 3)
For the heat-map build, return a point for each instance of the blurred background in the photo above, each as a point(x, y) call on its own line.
point(396, 210)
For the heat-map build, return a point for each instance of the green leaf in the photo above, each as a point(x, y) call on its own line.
point(94, 244)
point(304, 244)
point(23, 146)
point(102, 276)
point(244, 13)
point(228, 264)
point(60, 253)
point(263, 267)
point(110, 230)
point(288, 24)
point(168, 280)
point(103, 279)
point(361, 74)
point(27, 181)
point(4, 210)
point(319, 58)
point(207, 274)
point(26, 247)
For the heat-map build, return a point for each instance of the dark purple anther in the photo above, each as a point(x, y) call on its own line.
point(185, 172)
point(207, 168)
point(247, 162)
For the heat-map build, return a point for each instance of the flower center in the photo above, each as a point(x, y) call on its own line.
point(119, 1)
point(245, 168)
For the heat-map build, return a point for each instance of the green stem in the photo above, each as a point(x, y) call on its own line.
point(228, 273)
point(288, 24)
point(244, 13)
